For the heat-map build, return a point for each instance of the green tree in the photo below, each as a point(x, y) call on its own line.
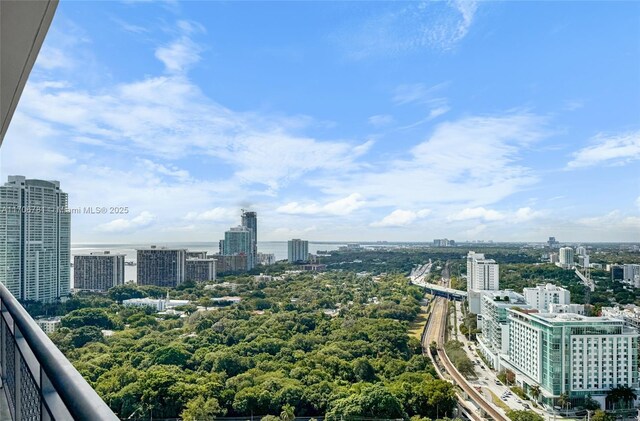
point(287, 413)
point(372, 401)
point(87, 317)
point(623, 394)
point(199, 409)
point(85, 334)
point(535, 391)
point(120, 293)
point(524, 416)
point(433, 348)
point(590, 403)
point(600, 415)
point(564, 401)
point(363, 370)
point(173, 354)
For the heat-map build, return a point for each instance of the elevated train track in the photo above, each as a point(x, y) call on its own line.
point(435, 331)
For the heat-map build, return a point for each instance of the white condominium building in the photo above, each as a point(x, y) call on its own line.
point(566, 257)
point(631, 275)
point(482, 274)
point(35, 239)
point(541, 296)
point(298, 251)
point(569, 353)
point(630, 313)
point(494, 339)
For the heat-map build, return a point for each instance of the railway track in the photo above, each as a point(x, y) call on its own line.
point(435, 331)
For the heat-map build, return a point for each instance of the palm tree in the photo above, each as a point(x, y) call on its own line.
point(287, 413)
point(621, 393)
point(563, 400)
point(534, 391)
point(613, 396)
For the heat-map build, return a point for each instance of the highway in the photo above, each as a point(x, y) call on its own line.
point(435, 331)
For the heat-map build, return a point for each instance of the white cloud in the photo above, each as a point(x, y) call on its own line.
point(343, 206)
point(467, 11)
point(143, 220)
point(436, 172)
point(179, 55)
point(171, 170)
point(437, 112)
point(215, 214)
point(381, 120)
point(526, 214)
point(411, 26)
point(477, 213)
point(418, 93)
point(610, 150)
point(401, 218)
point(613, 221)
point(473, 232)
point(54, 58)
point(169, 117)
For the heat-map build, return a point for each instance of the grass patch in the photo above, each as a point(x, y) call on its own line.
point(417, 326)
point(517, 390)
point(499, 402)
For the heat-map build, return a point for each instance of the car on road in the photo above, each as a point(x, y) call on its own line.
point(526, 406)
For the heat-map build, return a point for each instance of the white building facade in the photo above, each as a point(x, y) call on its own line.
point(482, 274)
point(541, 297)
point(494, 339)
point(566, 257)
point(573, 354)
point(35, 239)
point(298, 251)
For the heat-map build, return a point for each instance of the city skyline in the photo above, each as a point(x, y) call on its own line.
point(380, 121)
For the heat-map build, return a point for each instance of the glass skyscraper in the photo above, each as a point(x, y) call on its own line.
point(250, 222)
point(35, 239)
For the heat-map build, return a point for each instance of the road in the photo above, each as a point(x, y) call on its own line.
point(435, 331)
point(486, 377)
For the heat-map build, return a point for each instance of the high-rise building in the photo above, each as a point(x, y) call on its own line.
point(554, 258)
point(617, 272)
point(266, 259)
point(583, 261)
point(631, 274)
point(566, 257)
point(200, 270)
point(98, 271)
point(298, 250)
point(552, 242)
point(482, 274)
point(494, 339)
point(237, 241)
point(35, 239)
point(250, 222)
point(161, 266)
point(570, 353)
point(541, 297)
point(581, 251)
point(230, 264)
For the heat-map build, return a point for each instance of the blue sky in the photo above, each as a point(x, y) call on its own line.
point(402, 121)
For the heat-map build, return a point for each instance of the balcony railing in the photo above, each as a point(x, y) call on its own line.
point(39, 383)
